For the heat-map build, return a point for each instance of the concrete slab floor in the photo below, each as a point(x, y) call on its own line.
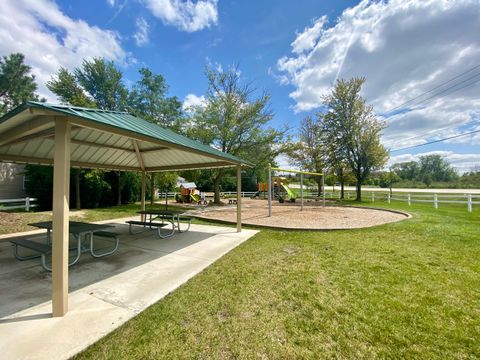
point(104, 293)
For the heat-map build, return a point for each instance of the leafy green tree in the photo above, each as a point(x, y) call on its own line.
point(148, 100)
point(65, 85)
point(17, 84)
point(387, 179)
point(309, 152)
point(353, 131)
point(97, 83)
point(435, 168)
point(103, 83)
point(407, 170)
point(234, 121)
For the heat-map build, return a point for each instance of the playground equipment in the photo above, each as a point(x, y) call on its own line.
point(281, 191)
point(188, 194)
point(287, 189)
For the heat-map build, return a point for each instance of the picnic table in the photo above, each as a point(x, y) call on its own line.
point(84, 234)
point(166, 217)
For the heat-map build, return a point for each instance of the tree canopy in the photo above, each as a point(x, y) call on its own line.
point(234, 120)
point(17, 84)
point(353, 131)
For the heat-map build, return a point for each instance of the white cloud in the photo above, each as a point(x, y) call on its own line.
point(141, 36)
point(403, 48)
point(50, 39)
point(462, 162)
point(111, 3)
point(192, 100)
point(186, 15)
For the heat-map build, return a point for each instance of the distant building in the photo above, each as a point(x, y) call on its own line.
point(12, 181)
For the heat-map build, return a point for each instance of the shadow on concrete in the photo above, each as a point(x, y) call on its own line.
point(24, 284)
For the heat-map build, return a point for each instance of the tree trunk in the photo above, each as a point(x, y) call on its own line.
point(152, 188)
point(119, 192)
point(318, 179)
point(359, 191)
point(216, 187)
point(77, 189)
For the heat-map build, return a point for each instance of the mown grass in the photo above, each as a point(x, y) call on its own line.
point(403, 290)
point(12, 222)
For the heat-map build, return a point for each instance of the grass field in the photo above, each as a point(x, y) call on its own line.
point(404, 290)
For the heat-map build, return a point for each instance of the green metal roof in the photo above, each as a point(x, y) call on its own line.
point(123, 126)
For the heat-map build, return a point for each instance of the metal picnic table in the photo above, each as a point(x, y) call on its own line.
point(171, 216)
point(81, 231)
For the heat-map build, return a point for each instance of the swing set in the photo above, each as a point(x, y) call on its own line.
point(276, 184)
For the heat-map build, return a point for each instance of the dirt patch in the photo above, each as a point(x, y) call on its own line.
point(312, 217)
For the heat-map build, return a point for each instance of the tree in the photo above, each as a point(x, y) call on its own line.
point(17, 84)
point(148, 100)
point(407, 170)
point(309, 152)
point(65, 85)
point(97, 83)
point(387, 179)
point(103, 83)
point(353, 131)
point(234, 121)
point(434, 167)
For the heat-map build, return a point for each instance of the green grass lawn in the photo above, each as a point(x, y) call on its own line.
point(12, 222)
point(403, 290)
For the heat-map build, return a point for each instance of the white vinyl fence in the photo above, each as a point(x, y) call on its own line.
point(436, 199)
point(21, 203)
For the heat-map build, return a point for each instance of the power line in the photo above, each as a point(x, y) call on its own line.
point(432, 131)
point(436, 141)
point(433, 89)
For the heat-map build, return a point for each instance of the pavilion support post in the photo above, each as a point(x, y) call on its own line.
point(239, 198)
point(60, 231)
point(301, 192)
point(270, 190)
point(142, 195)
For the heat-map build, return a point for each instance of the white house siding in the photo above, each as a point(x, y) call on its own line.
point(11, 181)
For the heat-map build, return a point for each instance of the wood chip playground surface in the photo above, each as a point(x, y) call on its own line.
point(313, 216)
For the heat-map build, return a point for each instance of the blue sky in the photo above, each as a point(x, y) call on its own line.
point(293, 50)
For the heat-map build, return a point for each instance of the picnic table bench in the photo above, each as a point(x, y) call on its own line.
point(77, 229)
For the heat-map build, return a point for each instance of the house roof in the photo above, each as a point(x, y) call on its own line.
point(103, 139)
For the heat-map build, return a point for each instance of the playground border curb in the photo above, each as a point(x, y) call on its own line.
point(269, 227)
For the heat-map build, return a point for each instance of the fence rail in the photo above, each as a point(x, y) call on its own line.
point(21, 203)
point(436, 199)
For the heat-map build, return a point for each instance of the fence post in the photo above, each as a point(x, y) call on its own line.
point(409, 200)
point(27, 204)
point(388, 198)
point(435, 201)
point(469, 202)
point(373, 197)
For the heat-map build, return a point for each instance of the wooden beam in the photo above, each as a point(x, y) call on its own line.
point(139, 156)
point(60, 231)
point(209, 165)
point(27, 128)
point(79, 164)
point(239, 198)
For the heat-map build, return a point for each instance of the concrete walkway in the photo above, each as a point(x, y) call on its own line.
point(104, 293)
